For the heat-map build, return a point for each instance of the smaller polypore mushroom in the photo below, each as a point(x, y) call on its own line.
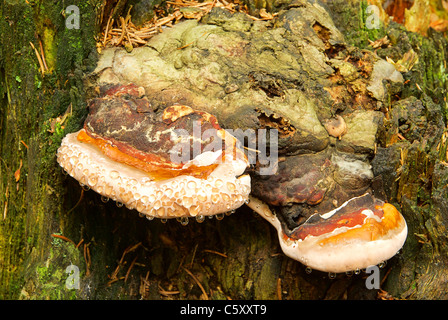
point(125, 152)
point(336, 126)
point(362, 232)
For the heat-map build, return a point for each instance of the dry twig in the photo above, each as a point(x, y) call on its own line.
point(197, 282)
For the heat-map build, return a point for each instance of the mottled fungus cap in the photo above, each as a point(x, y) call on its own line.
point(336, 126)
point(362, 232)
point(125, 152)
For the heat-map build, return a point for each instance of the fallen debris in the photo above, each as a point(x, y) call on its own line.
point(124, 33)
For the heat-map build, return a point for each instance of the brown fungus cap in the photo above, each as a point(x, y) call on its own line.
point(170, 164)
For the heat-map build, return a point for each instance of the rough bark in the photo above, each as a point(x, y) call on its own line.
point(120, 257)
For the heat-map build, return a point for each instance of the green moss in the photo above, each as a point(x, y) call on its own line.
point(47, 279)
point(266, 286)
point(48, 35)
point(30, 100)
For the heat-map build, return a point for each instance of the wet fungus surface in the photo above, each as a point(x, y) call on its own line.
point(294, 76)
point(132, 155)
point(360, 233)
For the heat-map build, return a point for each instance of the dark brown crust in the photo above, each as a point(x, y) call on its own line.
point(124, 117)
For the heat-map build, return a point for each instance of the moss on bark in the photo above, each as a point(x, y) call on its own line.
point(32, 203)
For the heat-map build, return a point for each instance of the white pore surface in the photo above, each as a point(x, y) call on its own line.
point(346, 256)
point(183, 196)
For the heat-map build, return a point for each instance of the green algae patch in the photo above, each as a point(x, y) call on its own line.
point(58, 276)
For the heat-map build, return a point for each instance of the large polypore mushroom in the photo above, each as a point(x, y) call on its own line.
point(177, 163)
point(362, 232)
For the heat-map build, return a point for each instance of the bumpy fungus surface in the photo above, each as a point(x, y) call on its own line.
point(362, 232)
point(143, 160)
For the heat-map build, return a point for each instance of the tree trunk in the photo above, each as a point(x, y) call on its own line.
point(50, 227)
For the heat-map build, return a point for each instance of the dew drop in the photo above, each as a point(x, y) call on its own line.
point(201, 197)
point(157, 204)
point(126, 197)
point(194, 210)
point(382, 264)
point(225, 197)
point(220, 216)
point(168, 192)
point(187, 202)
point(349, 273)
point(215, 198)
point(191, 185)
point(119, 204)
point(69, 168)
point(150, 218)
point(92, 180)
point(114, 174)
point(161, 212)
point(73, 161)
point(200, 218)
point(140, 207)
point(108, 190)
point(183, 221)
point(218, 183)
point(308, 270)
point(84, 187)
point(228, 213)
point(104, 199)
point(357, 271)
point(230, 186)
point(331, 275)
point(163, 220)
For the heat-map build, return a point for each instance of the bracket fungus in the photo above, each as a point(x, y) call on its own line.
point(362, 232)
point(152, 157)
point(143, 159)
